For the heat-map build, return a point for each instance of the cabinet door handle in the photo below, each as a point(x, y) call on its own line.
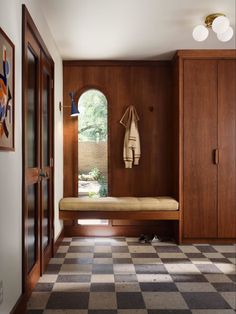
point(216, 156)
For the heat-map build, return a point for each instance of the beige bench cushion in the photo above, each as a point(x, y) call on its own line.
point(119, 203)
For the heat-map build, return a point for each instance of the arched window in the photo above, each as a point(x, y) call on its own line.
point(92, 135)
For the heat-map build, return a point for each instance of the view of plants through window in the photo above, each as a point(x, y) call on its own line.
point(92, 135)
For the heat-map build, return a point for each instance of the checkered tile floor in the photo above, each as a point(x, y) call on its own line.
point(120, 275)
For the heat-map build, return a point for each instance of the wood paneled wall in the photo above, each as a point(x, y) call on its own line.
point(147, 86)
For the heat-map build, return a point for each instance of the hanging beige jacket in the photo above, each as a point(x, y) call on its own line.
point(131, 150)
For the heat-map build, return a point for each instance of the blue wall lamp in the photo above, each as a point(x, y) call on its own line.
point(74, 109)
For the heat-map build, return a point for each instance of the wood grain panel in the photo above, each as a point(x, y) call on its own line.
point(71, 148)
point(161, 228)
point(227, 148)
point(124, 222)
point(145, 85)
point(177, 136)
point(207, 53)
point(142, 215)
point(70, 127)
point(200, 138)
point(175, 107)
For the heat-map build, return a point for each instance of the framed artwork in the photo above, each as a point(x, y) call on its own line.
point(7, 92)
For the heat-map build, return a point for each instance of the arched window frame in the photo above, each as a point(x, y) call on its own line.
point(106, 95)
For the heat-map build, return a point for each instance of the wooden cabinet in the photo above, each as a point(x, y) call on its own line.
point(200, 139)
point(207, 146)
point(227, 148)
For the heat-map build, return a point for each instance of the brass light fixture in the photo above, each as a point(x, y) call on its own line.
point(219, 23)
point(210, 18)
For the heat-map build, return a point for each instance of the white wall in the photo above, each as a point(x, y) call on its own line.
point(11, 162)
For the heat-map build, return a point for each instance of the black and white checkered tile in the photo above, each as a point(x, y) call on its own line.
point(120, 275)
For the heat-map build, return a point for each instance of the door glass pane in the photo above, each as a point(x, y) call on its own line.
point(46, 139)
point(32, 109)
point(46, 213)
point(31, 224)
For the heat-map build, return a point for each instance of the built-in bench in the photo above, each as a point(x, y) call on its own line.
point(136, 208)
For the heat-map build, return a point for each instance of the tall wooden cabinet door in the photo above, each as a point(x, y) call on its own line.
point(200, 140)
point(227, 149)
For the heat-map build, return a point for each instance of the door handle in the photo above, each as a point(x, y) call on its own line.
point(43, 174)
point(216, 156)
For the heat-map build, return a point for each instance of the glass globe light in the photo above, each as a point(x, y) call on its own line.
point(220, 24)
point(200, 33)
point(226, 36)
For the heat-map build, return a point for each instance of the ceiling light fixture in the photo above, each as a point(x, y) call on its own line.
point(219, 23)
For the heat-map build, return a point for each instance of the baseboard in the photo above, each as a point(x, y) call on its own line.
point(20, 306)
point(58, 241)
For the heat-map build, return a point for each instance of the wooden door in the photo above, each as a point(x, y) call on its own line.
point(31, 160)
point(227, 149)
point(46, 162)
point(200, 140)
point(37, 155)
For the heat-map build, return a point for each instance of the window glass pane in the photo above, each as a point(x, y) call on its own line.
point(93, 157)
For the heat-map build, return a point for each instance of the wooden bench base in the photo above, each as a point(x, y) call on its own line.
point(131, 215)
point(159, 215)
point(124, 228)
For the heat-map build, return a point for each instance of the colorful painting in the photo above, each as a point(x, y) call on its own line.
point(7, 63)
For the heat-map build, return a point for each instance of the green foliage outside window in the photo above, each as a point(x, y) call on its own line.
point(93, 117)
point(95, 175)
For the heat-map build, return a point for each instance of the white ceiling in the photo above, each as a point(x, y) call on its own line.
point(131, 29)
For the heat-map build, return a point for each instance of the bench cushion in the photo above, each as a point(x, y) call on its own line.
point(119, 203)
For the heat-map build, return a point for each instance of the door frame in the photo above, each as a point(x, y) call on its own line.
point(28, 25)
